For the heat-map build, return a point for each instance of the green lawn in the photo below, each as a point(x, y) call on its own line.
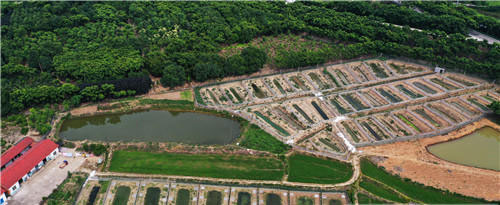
point(413, 190)
point(308, 169)
point(258, 139)
point(381, 191)
point(202, 165)
point(187, 95)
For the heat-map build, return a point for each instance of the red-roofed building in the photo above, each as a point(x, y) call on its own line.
point(26, 165)
point(16, 151)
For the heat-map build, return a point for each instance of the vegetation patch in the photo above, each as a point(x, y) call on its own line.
point(214, 198)
point(152, 196)
point(354, 101)
point(273, 199)
point(365, 199)
point(320, 111)
point(425, 88)
point(303, 113)
point(244, 198)
point(462, 81)
point(305, 201)
point(183, 197)
point(93, 195)
point(379, 71)
point(443, 84)
point(408, 92)
point(308, 169)
point(409, 123)
point(381, 191)
point(325, 71)
point(390, 96)
point(197, 96)
point(236, 95)
point(258, 139)
point(121, 196)
point(274, 125)
point(67, 192)
point(411, 189)
point(202, 165)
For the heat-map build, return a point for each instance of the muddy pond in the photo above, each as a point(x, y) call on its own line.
point(153, 126)
point(479, 149)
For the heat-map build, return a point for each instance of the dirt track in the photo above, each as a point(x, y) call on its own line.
point(412, 160)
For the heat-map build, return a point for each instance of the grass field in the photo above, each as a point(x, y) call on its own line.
point(365, 199)
point(413, 190)
point(152, 196)
point(201, 165)
point(187, 95)
point(258, 139)
point(308, 169)
point(381, 191)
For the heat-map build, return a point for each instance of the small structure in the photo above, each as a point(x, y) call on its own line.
point(25, 163)
point(438, 69)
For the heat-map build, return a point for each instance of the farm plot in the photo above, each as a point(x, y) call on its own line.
point(289, 117)
point(341, 74)
point(152, 193)
point(278, 84)
point(183, 194)
point(93, 192)
point(273, 121)
point(323, 140)
point(306, 110)
point(394, 126)
point(390, 94)
point(403, 68)
point(444, 83)
point(412, 121)
point(426, 87)
point(478, 102)
point(350, 129)
point(463, 81)
point(339, 104)
point(373, 129)
point(214, 92)
point(257, 88)
point(447, 111)
point(122, 192)
point(208, 97)
point(331, 77)
point(432, 118)
point(333, 198)
point(243, 196)
point(273, 197)
point(318, 78)
point(373, 97)
point(489, 95)
point(463, 107)
point(379, 69)
point(361, 72)
point(298, 81)
point(319, 110)
point(410, 92)
point(213, 195)
point(304, 198)
point(355, 100)
point(236, 93)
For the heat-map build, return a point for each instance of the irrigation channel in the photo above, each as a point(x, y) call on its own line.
point(479, 149)
point(153, 126)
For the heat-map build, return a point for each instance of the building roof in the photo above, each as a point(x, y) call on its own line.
point(26, 162)
point(15, 150)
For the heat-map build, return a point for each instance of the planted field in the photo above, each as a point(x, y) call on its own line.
point(389, 95)
point(320, 111)
point(257, 139)
point(183, 197)
point(244, 198)
point(299, 83)
point(413, 190)
point(374, 130)
point(410, 93)
point(355, 101)
point(379, 70)
point(305, 201)
point(203, 165)
point(445, 84)
point(273, 199)
point(332, 145)
point(352, 131)
point(393, 125)
point(231, 97)
point(340, 105)
point(152, 196)
point(447, 112)
point(408, 122)
point(404, 68)
point(482, 105)
point(424, 87)
point(435, 120)
point(343, 77)
point(290, 118)
point(359, 71)
point(257, 91)
point(331, 77)
point(122, 195)
point(365, 199)
point(461, 80)
point(213, 97)
point(93, 195)
point(236, 95)
point(463, 107)
point(381, 191)
point(319, 82)
point(308, 169)
point(214, 198)
point(373, 98)
point(274, 125)
point(303, 113)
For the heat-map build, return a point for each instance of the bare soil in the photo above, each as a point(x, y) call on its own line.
point(412, 160)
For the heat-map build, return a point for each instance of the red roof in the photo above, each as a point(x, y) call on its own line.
point(26, 162)
point(15, 150)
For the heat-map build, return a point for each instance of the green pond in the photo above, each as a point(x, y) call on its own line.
point(153, 126)
point(479, 149)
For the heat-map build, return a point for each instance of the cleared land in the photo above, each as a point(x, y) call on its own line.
point(202, 165)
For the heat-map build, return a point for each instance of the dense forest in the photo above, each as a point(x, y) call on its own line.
point(74, 52)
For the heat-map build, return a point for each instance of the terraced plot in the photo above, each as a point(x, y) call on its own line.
point(431, 117)
point(299, 82)
point(444, 83)
point(408, 91)
point(355, 101)
point(389, 94)
point(374, 98)
point(340, 105)
point(373, 129)
point(379, 69)
point(393, 125)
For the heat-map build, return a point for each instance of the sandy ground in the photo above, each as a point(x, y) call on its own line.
point(412, 160)
point(42, 183)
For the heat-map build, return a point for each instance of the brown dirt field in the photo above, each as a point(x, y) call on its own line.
point(412, 160)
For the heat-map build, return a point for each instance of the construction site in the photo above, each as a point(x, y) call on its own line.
point(331, 109)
